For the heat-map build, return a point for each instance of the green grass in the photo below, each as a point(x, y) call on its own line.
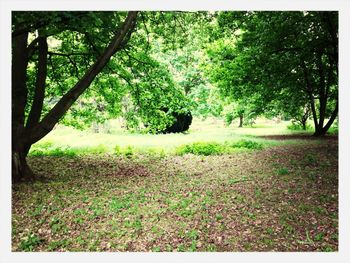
point(204, 138)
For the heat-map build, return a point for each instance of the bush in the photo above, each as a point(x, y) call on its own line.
point(127, 152)
point(201, 148)
point(213, 148)
point(248, 144)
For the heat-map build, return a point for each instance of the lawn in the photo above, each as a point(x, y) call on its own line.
point(210, 130)
point(280, 196)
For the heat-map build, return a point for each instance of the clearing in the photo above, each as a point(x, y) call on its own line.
point(283, 197)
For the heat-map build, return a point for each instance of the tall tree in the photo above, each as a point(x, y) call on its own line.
point(41, 25)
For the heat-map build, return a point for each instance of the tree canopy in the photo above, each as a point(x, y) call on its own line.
point(282, 61)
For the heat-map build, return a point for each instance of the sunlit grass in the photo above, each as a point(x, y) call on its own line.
point(210, 130)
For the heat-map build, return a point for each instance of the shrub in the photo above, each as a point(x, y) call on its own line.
point(92, 150)
point(213, 148)
point(248, 144)
point(127, 152)
point(201, 148)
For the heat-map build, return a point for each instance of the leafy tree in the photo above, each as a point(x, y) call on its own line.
point(63, 69)
point(172, 75)
point(222, 72)
point(290, 57)
point(185, 64)
point(31, 33)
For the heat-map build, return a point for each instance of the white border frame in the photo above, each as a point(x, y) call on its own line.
point(343, 6)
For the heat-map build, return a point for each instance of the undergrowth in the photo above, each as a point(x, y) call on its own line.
point(214, 148)
point(196, 148)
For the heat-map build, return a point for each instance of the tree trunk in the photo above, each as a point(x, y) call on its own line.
point(321, 131)
point(240, 121)
point(39, 93)
point(20, 169)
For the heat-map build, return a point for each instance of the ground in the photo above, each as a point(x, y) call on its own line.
point(283, 197)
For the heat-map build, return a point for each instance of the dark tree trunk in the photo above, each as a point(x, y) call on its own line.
point(39, 93)
point(240, 121)
point(321, 91)
point(20, 169)
point(321, 131)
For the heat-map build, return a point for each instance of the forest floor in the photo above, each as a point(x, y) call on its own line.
point(283, 197)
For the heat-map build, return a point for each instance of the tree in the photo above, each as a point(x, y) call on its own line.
point(26, 131)
point(184, 62)
point(222, 71)
point(291, 57)
point(63, 72)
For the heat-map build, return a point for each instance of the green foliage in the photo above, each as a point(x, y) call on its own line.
point(125, 151)
point(248, 144)
point(201, 148)
point(319, 236)
point(213, 148)
point(229, 117)
point(30, 242)
point(49, 149)
point(298, 127)
point(268, 60)
point(282, 171)
point(117, 204)
point(58, 244)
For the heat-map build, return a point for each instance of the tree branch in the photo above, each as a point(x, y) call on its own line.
point(56, 113)
point(39, 92)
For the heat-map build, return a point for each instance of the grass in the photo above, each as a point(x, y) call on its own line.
point(230, 193)
point(68, 141)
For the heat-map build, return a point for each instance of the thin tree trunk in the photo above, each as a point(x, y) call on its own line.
point(240, 121)
point(311, 97)
point(39, 92)
point(322, 91)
